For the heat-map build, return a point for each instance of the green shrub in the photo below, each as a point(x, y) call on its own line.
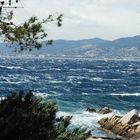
point(26, 117)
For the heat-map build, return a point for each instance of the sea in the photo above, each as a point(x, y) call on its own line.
point(76, 84)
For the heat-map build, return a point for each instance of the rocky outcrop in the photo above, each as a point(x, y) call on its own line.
point(127, 126)
point(130, 117)
point(104, 110)
point(91, 109)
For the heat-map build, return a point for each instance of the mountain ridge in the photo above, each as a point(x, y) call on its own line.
point(97, 48)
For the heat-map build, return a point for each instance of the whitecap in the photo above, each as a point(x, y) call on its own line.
point(19, 82)
point(97, 79)
point(84, 119)
point(55, 81)
point(71, 77)
point(57, 69)
point(40, 94)
point(125, 94)
point(2, 97)
point(85, 94)
point(91, 71)
point(11, 67)
point(45, 95)
point(54, 93)
point(14, 79)
point(114, 79)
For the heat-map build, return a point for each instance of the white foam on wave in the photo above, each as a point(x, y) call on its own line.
point(85, 93)
point(55, 81)
point(4, 78)
point(11, 67)
point(27, 78)
point(18, 82)
point(91, 70)
point(125, 94)
point(56, 69)
point(48, 76)
point(97, 79)
point(44, 95)
point(39, 94)
point(14, 79)
point(84, 119)
point(8, 80)
point(114, 79)
point(2, 98)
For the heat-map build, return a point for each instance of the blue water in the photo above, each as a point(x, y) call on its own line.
point(76, 84)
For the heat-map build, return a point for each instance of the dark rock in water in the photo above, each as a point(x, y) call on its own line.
point(91, 109)
point(127, 126)
point(104, 110)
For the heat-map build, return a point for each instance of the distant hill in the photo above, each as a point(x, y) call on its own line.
point(123, 48)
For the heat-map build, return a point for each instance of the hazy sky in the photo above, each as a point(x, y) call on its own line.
point(108, 19)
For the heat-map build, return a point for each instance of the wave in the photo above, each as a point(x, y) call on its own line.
point(124, 94)
point(9, 82)
point(2, 98)
point(39, 94)
point(14, 79)
point(85, 94)
point(71, 78)
point(97, 79)
point(87, 120)
point(84, 119)
point(11, 67)
point(55, 81)
point(45, 95)
point(114, 79)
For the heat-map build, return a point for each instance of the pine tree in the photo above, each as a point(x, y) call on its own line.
point(27, 35)
point(27, 117)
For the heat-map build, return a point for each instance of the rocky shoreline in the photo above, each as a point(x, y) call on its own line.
point(127, 127)
point(95, 138)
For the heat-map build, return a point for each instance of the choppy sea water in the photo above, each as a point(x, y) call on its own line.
point(76, 84)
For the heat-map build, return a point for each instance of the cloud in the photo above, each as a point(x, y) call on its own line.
point(108, 19)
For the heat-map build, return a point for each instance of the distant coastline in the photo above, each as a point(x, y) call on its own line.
point(65, 57)
point(99, 49)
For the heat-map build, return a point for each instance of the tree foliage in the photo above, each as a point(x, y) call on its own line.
point(26, 117)
point(27, 35)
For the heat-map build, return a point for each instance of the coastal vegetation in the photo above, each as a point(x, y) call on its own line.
point(27, 117)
